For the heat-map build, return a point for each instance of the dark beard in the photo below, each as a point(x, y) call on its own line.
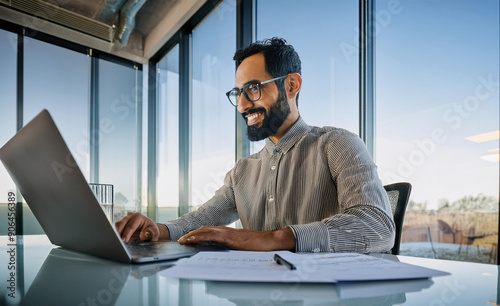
point(272, 121)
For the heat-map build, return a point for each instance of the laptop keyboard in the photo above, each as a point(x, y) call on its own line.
point(154, 248)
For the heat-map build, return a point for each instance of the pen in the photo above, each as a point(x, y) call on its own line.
point(281, 261)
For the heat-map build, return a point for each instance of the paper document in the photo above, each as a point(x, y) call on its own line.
point(244, 266)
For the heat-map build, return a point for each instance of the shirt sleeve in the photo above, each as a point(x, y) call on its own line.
point(219, 210)
point(364, 223)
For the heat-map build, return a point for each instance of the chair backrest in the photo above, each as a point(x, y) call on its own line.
point(399, 194)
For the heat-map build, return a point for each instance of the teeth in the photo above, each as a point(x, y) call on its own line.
point(251, 117)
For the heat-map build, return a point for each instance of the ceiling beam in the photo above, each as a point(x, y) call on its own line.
point(43, 26)
point(175, 18)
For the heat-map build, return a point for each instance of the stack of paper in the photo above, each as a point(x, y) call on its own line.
point(310, 268)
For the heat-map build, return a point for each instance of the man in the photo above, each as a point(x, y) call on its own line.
point(309, 190)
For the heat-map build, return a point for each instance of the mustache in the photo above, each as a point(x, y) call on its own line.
point(253, 110)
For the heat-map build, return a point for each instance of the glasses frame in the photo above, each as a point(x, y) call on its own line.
point(242, 90)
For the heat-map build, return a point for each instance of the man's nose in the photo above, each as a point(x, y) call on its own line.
point(244, 104)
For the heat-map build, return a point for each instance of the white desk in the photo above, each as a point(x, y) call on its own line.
point(46, 275)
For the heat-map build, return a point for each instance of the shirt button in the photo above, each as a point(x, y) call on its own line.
point(271, 199)
point(273, 168)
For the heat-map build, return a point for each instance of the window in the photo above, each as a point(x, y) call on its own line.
point(437, 102)
point(213, 118)
point(167, 194)
point(325, 35)
point(59, 79)
point(120, 105)
point(8, 57)
point(56, 79)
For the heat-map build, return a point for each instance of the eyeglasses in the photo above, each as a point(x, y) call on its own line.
point(251, 91)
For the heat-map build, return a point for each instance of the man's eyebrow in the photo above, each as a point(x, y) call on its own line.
point(254, 81)
point(251, 82)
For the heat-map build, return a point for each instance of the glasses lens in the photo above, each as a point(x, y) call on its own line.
point(233, 97)
point(252, 92)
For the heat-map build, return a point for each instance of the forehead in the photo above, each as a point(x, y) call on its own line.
point(252, 68)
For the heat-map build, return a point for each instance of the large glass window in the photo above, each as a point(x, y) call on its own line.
point(213, 118)
point(167, 186)
point(8, 51)
point(56, 79)
point(325, 35)
point(438, 124)
point(120, 141)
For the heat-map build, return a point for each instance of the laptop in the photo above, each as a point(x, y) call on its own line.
point(44, 170)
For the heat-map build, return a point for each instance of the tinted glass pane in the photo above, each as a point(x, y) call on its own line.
point(56, 79)
point(325, 35)
point(168, 133)
point(119, 133)
point(59, 83)
point(437, 91)
point(213, 117)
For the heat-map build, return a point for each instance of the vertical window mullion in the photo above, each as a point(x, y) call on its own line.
point(367, 73)
point(94, 119)
point(138, 99)
point(245, 35)
point(185, 127)
point(20, 119)
point(152, 139)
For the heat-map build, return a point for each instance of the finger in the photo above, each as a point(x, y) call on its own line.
point(131, 227)
point(120, 225)
point(202, 235)
point(188, 239)
point(150, 232)
point(192, 234)
point(145, 234)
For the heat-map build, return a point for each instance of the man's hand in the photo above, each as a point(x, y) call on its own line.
point(135, 225)
point(241, 239)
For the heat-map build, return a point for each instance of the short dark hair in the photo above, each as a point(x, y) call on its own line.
point(281, 58)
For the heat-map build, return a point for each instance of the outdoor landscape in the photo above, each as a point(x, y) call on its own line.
point(464, 230)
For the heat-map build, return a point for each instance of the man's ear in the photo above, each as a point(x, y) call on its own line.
point(293, 85)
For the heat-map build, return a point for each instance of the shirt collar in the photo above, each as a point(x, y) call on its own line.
point(289, 139)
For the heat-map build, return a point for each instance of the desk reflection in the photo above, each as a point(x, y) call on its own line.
point(356, 293)
point(72, 278)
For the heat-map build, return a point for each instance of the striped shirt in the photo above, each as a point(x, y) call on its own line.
point(321, 182)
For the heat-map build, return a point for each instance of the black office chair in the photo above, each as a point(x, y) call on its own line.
point(399, 194)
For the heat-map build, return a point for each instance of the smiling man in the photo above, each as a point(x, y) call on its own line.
point(309, 189)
